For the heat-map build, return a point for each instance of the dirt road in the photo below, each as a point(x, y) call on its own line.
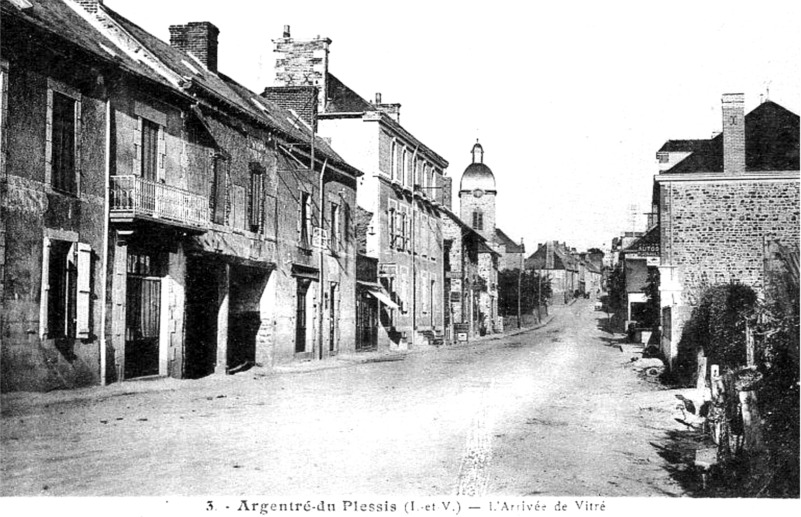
point(555, 411)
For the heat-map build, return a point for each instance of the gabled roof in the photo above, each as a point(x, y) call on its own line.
point(647, 244)
point(562, 259)
point(771, 144)
point(60, 20)
point(682, 146)
point(467, 230)
point(510, 245)
point(342, 99)
point(228, 91)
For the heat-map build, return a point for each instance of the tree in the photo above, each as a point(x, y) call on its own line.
point(529, 288)
point(650, 313)
point(717, 327)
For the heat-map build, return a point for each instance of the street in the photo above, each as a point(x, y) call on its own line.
point(554, 411)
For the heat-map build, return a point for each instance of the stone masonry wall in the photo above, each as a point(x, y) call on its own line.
point(714, 231)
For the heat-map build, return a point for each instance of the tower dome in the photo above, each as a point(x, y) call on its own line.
point(477, 175)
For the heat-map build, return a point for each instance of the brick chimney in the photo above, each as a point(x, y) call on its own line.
point(90, 6)
point(303, 63)
point(733, 133)
point(393, 110)
point(199, 38)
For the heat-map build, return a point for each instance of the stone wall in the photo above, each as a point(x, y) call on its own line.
point(713, 231)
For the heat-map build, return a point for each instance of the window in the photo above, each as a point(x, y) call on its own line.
point(256, 201)
point(219, 190)
point(239, 218)
point(478, 220)
point(335, 234)
point(300, 315)
point(63, 112)
point(66, 289)
point(348, 223)
point(150, 150)
point(149, 147)
point(405, 165)
point(304, 220)
point(393, 161)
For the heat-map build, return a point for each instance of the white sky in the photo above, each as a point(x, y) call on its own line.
point(570, 100)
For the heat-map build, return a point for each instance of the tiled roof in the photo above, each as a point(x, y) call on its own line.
point(645, 242)
point(682, 146)
point(342, 99)
point(227, 90)
point(562, 259)
point(771, 144)
point(64, 23)
point(510, 245)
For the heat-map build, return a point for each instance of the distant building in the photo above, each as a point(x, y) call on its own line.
point(402, 188)
point(556, 261)
point(719, 201)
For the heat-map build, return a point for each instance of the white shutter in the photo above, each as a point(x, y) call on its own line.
point(83, 294)
point(49, 139)
point(43, 315)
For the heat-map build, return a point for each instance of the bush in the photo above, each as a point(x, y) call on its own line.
point(717, 327)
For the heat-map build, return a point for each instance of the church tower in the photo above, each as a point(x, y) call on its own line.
point(477, 196)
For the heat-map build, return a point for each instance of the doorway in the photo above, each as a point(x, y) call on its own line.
point(142, 315)
point(202, 287)
point(333, 317)
point(246, 288)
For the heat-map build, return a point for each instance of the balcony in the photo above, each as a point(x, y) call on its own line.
point(133, 197)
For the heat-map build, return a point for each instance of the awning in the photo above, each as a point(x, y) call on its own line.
point(379, 293)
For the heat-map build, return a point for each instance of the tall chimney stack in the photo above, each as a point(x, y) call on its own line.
point(199, 38)
point(303, 63)
point(733, 133)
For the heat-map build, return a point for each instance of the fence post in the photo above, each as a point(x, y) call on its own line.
point(752, 430)
point(749, 345)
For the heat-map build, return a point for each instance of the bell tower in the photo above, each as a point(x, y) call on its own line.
point(477, 195)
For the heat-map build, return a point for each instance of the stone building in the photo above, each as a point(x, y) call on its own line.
point(557, 262)
point(464, 282)
point(159, 218)
point(719, 202)
point(477, 193)
point(512, 254)
point(402, 187)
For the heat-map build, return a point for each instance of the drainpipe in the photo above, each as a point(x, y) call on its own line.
point(321, 305)
point(104, 261)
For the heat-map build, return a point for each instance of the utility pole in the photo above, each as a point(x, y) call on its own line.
point(519, 282)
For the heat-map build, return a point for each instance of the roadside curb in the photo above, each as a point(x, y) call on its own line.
point(34, 399)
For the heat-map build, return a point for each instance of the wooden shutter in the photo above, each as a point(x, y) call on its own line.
point(137, 141)
point(83, 295)
point(162, 156)
point(391, 215)
point(407, 230)
point(45, 298)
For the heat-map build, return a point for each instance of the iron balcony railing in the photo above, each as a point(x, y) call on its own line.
point(134, 196)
